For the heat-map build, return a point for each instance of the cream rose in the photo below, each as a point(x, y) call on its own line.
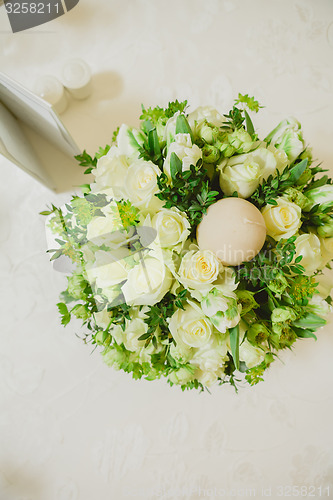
point(109, 272)
point(243, 173)
point(308, 246)
point(282, 220)
point(199, 268)
point(172, 226)
point(190, 326)
point(100, 228)
point(188, 153)
point(147, 282)
point(110, 172)
point(141, 185)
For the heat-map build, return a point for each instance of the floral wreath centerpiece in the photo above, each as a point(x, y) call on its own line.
point(198, 251)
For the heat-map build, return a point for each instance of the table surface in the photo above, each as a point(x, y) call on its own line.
point(73, 429)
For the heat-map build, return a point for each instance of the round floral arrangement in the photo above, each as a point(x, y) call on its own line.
point(198, 251)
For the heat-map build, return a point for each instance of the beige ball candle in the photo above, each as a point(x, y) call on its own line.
point(234, 229)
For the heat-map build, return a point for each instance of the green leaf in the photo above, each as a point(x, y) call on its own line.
point(310, 321)
point(183, 127)
point(249, 124)
point(234, 344)
point(153, 143)
point(297, 170)
point(175, 165)
point(65, 314)
point(304, 334)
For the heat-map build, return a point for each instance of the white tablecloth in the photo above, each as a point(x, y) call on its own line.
point(73, 429)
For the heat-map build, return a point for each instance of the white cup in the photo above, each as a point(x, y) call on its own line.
point(51, 90)
point(76, 77)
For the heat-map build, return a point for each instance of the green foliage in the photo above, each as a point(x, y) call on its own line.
point(65, 314)
point(158, 314)
point(154, 114)
point(190, 192)
point(250, 102)
point(274, 186)
point(86, 160)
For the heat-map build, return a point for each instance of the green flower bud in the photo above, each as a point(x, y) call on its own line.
point(241, 141)
point(257, 333)
point(287, 337)
point(278, 284)
point(305, 177)
point(206, 133)
point(307, 155)
point(115, 358)
point(181, 376)
point(103, 338)
point(247, 301)
point(283, 314)
point(326, 230)
point(76, 286)
point(81, 312)
point(295, 196)
point(210, 154)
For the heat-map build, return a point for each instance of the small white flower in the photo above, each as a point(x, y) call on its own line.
point(252, 356)
point(188, 154)
point(288, 137)
point(282, 220)
point(320, 195)
point(221, 308)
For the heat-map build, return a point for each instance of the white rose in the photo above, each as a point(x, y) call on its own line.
point(282, 220)
point(211, 356)
point(172, 227)
point(147, 282)
point(326, 245)
point(141, 185)
point(243, 173)
point(308, 246)
point(100, 228)
point(207, 378)
point(252, 356)
point(181, 376)
point(188, 154)
point(190, 326)
point(134, 329)
point(199, 269)
point(107, 271)
point(110, 172)
point(325, 284)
